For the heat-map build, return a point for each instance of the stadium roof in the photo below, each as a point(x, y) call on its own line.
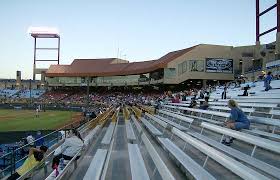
point(112, 66)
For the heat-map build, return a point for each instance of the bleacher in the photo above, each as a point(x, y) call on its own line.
point(35, 93)
point(8, 92)
point(178, 142)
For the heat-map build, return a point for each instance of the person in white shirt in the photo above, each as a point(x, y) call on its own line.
point(37, 113)
point(30, 140)
point(71, 146)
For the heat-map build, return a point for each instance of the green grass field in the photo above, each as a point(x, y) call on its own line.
point(25, 120)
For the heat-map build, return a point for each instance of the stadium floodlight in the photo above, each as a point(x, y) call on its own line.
point(42, 32)
point(48, 33)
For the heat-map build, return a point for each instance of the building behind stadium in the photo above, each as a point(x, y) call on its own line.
point(198, 65)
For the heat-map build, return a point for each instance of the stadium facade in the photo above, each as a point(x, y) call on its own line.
point(199, 64)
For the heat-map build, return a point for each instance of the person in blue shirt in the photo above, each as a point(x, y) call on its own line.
point(39, 139)
point(237, 120)
point(267, 81)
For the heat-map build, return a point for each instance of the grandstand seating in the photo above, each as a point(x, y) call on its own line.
point(8, 92)
point(178, 142)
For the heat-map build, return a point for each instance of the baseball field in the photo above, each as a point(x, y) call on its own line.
point(26, 120)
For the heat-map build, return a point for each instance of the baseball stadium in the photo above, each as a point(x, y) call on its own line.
point(203, 111)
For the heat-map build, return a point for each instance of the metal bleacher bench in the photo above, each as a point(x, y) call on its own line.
point(151, 128)
point(246, 110)
point(108, 135)
point(177, 116)
point(254, 100)
point(231, 164)
point(138, 127)
point(96, 166)
point(159, 163)
point(160, 122)
point(180, 104)
point(268, 121)
point(194, 117)
point(256, 141)
point(171, 123)
point(187, 162)
point(260, 105)
point(214, 113)
point(262, 133)
point(274, 112)
point(267, 168)
point(129, 132)
point(137, 165)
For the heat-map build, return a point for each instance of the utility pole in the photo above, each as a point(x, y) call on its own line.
point(30, 91)
point(87, 105)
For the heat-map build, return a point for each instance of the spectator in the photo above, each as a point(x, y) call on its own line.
point(176, 99)
point(39, 139)
point(193, 103)
point(205, 104)
point(224, 93)
point(201, 94)
point(267, 81)
point(71, 146)
point(245, 93)
point(37, 113)
point(35, 156)
point(238, 120)
point(30, 139)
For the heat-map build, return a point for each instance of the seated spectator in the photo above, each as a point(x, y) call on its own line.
point(30, 139)
point(205, 104)
point(176, 99)
point(193, 103)
point(71, 146)
point(35, 156)
point(245, 93)
point(238, 120)
point(39, 139)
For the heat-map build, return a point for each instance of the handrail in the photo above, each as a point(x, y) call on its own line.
point(13, 163)
point(137, 112)
point(54, 147)
point(68, 164)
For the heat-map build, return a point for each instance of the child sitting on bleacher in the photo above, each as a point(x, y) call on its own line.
point(238, 120)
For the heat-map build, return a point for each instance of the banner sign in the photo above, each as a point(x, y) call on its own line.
point(196, 65)
point(219, 65)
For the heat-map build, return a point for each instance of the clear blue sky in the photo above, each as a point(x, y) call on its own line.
point(143, 29)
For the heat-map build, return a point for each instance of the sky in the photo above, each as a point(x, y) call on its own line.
point(133, 30)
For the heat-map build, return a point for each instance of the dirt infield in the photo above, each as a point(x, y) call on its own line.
point(75, 118)
point(6, 117)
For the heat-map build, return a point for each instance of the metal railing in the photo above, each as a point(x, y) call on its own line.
point(16, 156)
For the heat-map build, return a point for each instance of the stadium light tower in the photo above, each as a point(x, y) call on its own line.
point(47, 33)
point(277, 27)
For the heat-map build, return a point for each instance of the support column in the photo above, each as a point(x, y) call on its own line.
point(257, 21)
point(43, 76)
point(204, 84)
point(277, 50)
point(278, 16)
point(34, 73)
point(34, 62)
